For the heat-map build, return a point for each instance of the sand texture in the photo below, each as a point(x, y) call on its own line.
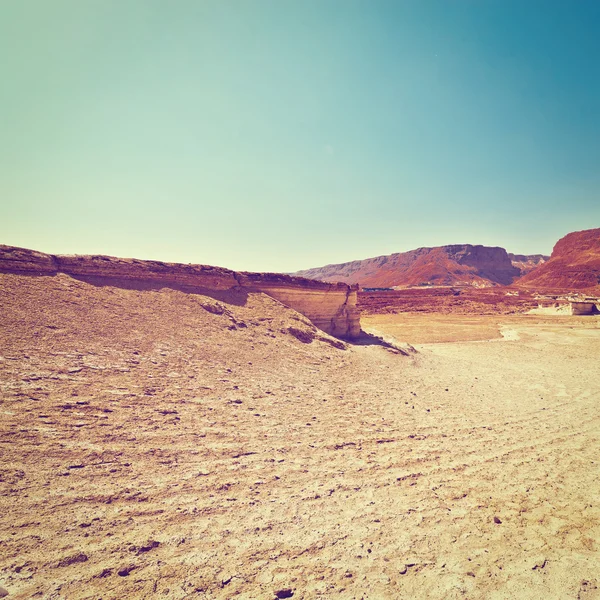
point(162, 444)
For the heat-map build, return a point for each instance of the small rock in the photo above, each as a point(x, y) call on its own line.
point(497, 520)
point(403, 570)
point(71, 560)
point(3, 592)
point(470, 574)
point(124, 571)
point(150, 545)
point(284, 593)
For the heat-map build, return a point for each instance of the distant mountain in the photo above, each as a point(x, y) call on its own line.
point(574, 265)
point(527, 262)
point(460, 264)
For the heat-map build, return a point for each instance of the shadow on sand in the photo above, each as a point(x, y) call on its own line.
point(369, 339)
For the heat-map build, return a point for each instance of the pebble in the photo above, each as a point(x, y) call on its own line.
point(497, 520)
point(284, 593)
point(3, 592)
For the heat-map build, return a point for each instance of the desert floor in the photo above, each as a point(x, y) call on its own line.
point(161, 444)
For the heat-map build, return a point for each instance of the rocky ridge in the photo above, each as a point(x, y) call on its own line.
point(459, 264)
point(527, 262)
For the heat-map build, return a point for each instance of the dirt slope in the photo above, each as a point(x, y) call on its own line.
point(162, 444)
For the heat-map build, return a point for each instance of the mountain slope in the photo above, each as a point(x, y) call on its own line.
point(460, 264)
point(573, 265)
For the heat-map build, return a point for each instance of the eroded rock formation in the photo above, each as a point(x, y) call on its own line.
point(330, 306)
point(527, 262)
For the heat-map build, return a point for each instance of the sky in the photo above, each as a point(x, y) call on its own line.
point(277, 135)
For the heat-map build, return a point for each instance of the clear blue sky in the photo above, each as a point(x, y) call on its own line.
point(280, 135)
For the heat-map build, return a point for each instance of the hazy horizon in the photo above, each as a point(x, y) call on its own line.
point(280, 136)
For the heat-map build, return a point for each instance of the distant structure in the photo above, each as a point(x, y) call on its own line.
point(585, 307)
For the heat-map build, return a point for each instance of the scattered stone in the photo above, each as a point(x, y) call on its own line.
point(3, 592)
point(72, 560)
point(470, 574)
point(306, 337)
point(284, 593)
point(497, 520)
point(150, 545)
point(124, 571)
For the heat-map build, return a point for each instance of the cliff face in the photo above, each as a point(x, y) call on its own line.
point(461, 264)
point(527, 262)
point(331, 307)
point(573, 265)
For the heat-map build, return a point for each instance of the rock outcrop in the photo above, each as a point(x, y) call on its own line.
point(461, 264)
point(330, 306)
point(573, 265)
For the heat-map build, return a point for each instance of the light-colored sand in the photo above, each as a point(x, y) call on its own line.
point(152, 446)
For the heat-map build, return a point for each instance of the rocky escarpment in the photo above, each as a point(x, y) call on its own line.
point(460, 264)
point(330, 306)
point(573, 265)
point(527, 262)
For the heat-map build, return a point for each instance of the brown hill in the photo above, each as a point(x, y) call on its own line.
point(461, 264)
point(574, 265)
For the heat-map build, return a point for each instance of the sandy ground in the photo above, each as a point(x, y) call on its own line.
point(161, 444)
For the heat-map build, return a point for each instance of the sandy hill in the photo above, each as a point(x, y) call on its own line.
point(574, 265)
point(461, 264)
point(331, 307)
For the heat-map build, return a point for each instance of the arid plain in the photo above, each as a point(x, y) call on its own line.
point(157, 443)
